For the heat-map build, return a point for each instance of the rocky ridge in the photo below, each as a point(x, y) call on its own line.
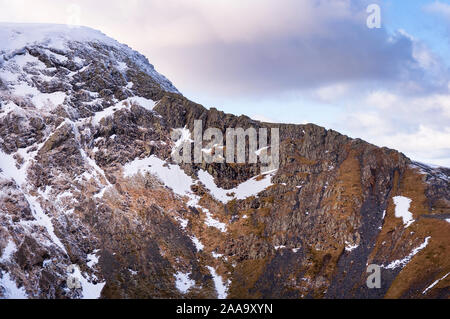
point(87, 179)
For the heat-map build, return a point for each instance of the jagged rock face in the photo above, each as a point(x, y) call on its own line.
point(87, 179)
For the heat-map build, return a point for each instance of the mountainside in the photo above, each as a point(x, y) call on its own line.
point(89, 190)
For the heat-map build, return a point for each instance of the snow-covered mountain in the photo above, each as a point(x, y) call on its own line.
point(91, 204)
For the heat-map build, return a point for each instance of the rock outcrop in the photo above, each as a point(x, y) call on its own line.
point(88, 183)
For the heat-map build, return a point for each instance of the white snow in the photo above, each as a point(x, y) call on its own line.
point(198, 245)
point(175, 178)
point(349, 247)
point(133, 272)
point(402, 205)
point(244, 190)
point(434, 284)
point(15, 37)
point(403, 262)
point(142, 101)
point(211, 222)
point(101, 192)
point(221, 287)
point(182, 282)
point(94, 169)
point(7, 164)
point(109, 111)
point(44, 220)
point(382, 219)
point(8, 251)
point(183, 222)
point(92, 259)
point(22, 87)
point(216, 255)
point(11, 289)
point(448, 220)
point(124, 104)
point(122, 66)
point(90, 290)
point(171, 175)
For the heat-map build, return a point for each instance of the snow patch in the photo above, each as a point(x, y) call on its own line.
point(221, 287)
point(11, 289)
point(9, 250)
point(90, 290)
point(133, 272)
point(92, 259)
point(402, 205)
point(183, 282)
point(434, 284)
point(244, 190)
point(183, 222)
point(211, 222)
point(349, 247)
point(42, 101)
point(8, 166)
point(143, 102)
point(216, 255)
point(44, 220)
point(403, 262)
point(198, 245)
point(171, 175)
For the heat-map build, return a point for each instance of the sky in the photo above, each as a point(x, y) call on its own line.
point(291, 61)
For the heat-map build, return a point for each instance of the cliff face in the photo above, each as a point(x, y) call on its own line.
point(88, 183)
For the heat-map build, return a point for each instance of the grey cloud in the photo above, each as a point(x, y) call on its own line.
point(251, 46)
point(347, 52)
point(286, 63)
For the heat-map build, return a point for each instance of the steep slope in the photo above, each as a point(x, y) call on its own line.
point(88, 186)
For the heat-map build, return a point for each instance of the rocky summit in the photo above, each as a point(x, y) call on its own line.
point(92, 204)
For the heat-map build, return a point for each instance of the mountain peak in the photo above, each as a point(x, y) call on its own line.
point(72, 47)
point(14, 36)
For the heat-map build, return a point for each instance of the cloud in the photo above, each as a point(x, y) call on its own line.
point(439, 8)
point(302, 45)
point(333, 92)
point(419, 126)
point(382, 100)
point(426, 144)
point(242, 47)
